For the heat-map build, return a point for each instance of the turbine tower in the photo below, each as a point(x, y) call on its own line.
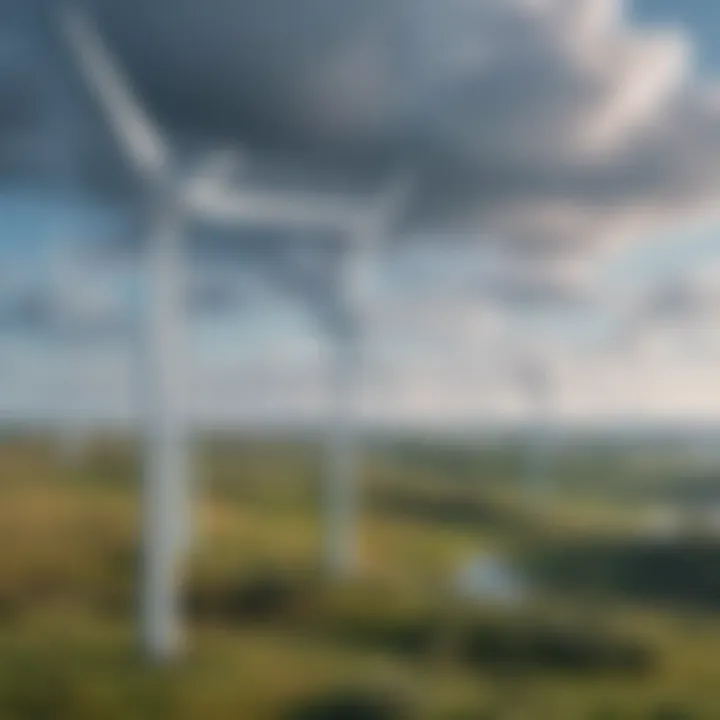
point(539, 388)
point(172, 197)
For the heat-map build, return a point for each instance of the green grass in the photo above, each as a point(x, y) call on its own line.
point(269, 638)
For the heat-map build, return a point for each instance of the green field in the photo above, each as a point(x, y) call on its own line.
point(607, 634)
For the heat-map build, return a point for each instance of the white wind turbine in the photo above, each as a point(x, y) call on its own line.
point(172, 197)
point(342, 313)
point(534, 361)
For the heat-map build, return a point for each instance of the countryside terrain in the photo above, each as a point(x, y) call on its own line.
point(616, 622)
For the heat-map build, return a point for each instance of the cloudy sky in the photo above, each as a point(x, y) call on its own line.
point(566, 166)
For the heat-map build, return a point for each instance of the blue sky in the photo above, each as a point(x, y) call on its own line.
point(700, 18)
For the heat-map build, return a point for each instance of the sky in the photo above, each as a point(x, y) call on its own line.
point(700, 18)
point(566, 159)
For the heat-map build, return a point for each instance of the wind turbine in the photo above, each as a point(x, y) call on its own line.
point(346, 329)
point(537, 384)
point(532, 360)
point(338, 296)
point(147, 154)
point(172, 197)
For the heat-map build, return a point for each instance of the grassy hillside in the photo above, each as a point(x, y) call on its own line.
point(268, 638)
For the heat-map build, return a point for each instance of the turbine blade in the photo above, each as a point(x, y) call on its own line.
point(213, 202)
point(138, 138)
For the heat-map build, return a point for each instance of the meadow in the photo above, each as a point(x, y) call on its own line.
point(617, 624)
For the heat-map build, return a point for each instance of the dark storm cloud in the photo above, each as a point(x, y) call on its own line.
point(49, 131)
point(553, 121)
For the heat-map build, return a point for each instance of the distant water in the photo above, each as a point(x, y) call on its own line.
point(491, 578)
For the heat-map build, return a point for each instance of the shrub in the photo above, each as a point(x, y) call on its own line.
point(678, 573)
point(356, 704)
point(264, 595)
point(548, 646)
